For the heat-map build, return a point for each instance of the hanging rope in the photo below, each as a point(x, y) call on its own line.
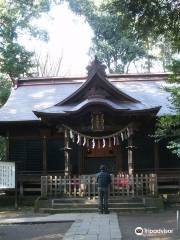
point(112, 139)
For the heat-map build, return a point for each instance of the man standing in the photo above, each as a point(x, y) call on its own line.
point(103, 180)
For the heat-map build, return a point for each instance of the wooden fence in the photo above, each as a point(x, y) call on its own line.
point(86, 185)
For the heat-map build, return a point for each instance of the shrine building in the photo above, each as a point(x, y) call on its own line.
point(72, 125)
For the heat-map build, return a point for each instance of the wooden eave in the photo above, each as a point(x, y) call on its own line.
point(123, 112)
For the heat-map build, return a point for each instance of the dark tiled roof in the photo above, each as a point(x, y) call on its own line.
point(42, 93)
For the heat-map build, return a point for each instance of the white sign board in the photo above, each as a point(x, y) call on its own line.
point(7, 175)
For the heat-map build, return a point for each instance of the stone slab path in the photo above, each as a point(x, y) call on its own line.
point(94, 227)
point(86, 226)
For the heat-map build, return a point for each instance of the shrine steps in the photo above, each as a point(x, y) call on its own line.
point(79, 205)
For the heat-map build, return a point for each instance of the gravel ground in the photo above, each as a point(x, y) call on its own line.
point(22, 212)
point(152, 221)
point(47, 231)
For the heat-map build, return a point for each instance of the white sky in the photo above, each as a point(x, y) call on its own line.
point(69, 36)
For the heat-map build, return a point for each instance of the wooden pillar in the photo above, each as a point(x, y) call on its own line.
point(66, 153)
point(119, 158)
point(156, 157)
point(44, 155)
point(81, 156)
point(130, 155)
point(7, 148)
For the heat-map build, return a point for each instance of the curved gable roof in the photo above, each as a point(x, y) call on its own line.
point(137, 90)
point(97, 82)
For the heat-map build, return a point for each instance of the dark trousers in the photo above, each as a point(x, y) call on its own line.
point(103, 199)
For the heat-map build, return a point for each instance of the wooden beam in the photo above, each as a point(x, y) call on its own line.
point(130, 156)
point(7, 147)
point(44, 155)
point(156, 157)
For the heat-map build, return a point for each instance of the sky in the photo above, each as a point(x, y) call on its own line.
point(69, 38)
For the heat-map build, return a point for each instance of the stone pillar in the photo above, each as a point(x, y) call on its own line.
point(130, 156)
point(156, 157)
point(66, 153)
point(44, 155)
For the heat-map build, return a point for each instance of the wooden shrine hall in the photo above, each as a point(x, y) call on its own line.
point(71, 125)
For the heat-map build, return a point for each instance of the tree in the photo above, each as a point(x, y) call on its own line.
point(16, 18)
point(158, 19)
point(5, 85)
point(150, 22)
point(165, 53)
point(46, 66)
point(150, 18)
point(113, 43)
point(114, 46)
point(168, 127)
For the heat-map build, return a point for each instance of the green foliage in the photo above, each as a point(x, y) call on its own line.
point(5, 85)
point(156, 21)
point(114, 45)
point(125, 31)
point(168, 126)
point(150, 18)
point(16, 19)
point(113, 42)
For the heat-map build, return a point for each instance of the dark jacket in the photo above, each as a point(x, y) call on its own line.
point(103, 179)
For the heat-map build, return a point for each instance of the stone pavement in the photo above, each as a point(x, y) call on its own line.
point(86, 226)
point(95, 227)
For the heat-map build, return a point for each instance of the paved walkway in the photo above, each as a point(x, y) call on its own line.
point(86, 226)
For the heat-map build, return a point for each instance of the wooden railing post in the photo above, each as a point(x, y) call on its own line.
point(44, 186)
point(153, 182)
point(154, 176)
point(122, 185)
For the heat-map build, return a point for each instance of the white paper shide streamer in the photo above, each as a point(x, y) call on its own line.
point(101, 141)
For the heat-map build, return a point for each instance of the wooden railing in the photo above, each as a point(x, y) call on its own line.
point(86, 185)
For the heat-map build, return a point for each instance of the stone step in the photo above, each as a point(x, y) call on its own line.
point(86, 210)
point(125, 200)
point(92, 205)
point(91, 201)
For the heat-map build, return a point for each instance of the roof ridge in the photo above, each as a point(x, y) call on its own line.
point(85, 77)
